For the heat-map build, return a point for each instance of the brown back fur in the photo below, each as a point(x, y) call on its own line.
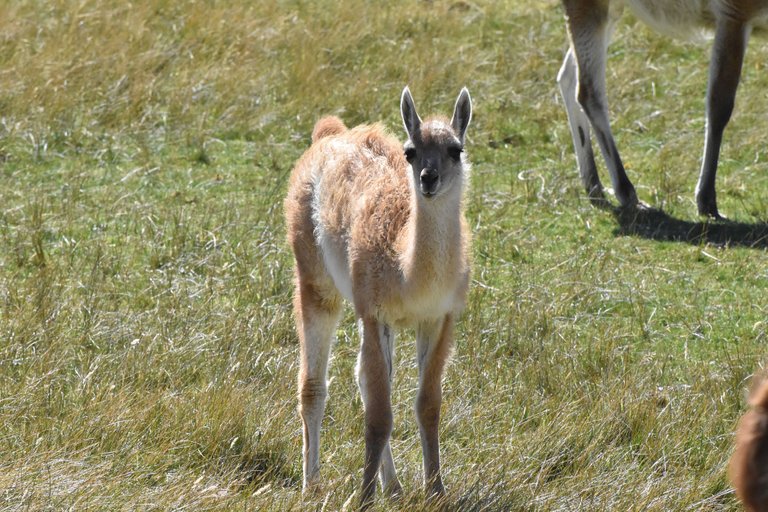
point(328, 126)
point(749, 464)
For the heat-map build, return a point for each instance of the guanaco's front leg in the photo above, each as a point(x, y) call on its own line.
point(434, 340)
point(373, 372)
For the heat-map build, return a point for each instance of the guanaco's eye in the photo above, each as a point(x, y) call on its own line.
point(410, 154)
point(455, 152)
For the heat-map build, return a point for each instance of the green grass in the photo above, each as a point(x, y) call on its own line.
point(147, 353)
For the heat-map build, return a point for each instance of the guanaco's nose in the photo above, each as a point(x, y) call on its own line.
point(429, 179)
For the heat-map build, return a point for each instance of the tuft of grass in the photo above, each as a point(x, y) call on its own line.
point(148, 357)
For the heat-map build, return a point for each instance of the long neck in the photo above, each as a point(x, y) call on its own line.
point(433, 243)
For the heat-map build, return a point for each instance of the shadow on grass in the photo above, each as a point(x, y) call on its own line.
point(268, 467)
point(654, 224)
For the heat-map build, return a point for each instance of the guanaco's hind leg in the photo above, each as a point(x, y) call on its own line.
point(374, 372)
point(389, 481)
point(434, 341)
point(568, 81)
point(589, 28)
point(317, 313)
point(388, 474)
point(724, 73)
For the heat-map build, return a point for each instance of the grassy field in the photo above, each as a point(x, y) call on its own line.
point(147, 353)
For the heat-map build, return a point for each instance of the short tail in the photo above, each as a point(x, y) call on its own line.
point(749, 463)
point(328, 126)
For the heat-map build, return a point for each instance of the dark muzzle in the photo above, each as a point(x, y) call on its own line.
point(428, 181)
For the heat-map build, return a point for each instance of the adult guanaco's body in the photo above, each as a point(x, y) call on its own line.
point(582, 79)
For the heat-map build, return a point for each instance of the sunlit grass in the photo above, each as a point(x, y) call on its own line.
point(147, 353)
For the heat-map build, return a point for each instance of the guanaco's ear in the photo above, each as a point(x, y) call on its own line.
point(411, 120)
point(462, 113)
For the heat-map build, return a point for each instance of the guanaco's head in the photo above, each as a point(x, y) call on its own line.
point(434, 147)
